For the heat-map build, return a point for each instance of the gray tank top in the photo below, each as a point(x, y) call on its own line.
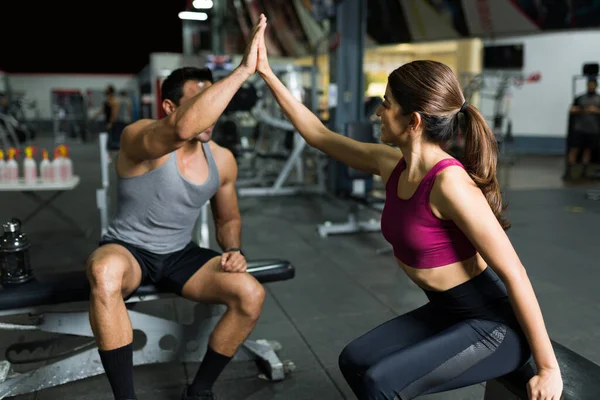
point(157, 211)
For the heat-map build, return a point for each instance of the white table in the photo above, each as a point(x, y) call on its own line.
point(31, 190)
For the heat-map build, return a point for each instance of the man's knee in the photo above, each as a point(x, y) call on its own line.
point(250, 296)
point(105, 273)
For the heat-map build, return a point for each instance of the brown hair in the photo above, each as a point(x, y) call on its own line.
point(431, 89)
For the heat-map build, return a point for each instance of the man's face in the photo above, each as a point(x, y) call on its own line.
point(591, 86)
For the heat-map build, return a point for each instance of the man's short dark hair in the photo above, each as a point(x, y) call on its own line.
point(593, 80)
point(172, 86)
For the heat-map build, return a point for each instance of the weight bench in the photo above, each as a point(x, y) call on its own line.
point(49, 304)
point(581, 378)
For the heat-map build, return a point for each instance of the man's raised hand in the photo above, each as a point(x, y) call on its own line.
point(250, 59)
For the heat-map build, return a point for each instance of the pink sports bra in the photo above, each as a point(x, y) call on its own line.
point(419, 238)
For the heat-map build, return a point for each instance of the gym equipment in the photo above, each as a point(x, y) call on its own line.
point(8, 131)
point(70, 358)
point(69, 115)
point(361, 185)
point(15, 265)
point(580, 378)
point(495, 86)
point(265, 111)
point(243, 100)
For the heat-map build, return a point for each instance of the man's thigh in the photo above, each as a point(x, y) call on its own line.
point(195, 273)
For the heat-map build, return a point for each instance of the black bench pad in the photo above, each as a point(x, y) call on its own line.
point(581, 377)
point(74, 287)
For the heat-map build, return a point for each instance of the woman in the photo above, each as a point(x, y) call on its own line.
point(443, 219)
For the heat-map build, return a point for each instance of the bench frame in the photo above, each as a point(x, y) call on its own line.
point(164, 341)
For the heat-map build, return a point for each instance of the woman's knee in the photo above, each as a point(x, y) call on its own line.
point(381, 382)
point(349, 360)
point(250, 297)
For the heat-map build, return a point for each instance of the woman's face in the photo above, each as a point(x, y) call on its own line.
point(394, 125)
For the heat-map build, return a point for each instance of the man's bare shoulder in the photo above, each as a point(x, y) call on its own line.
point(224, 159)
point(127, 164)
point(220, 153)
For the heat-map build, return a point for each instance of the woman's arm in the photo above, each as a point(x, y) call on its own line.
point(458, 198)
point(366, 157)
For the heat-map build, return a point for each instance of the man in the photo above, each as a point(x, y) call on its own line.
point(121, 115)
point(167, 169)
point(585, 129)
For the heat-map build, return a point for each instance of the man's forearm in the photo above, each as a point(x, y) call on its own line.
point(229, 234)
point(195, 116)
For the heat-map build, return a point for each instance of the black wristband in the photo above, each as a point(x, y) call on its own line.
point(235, 249)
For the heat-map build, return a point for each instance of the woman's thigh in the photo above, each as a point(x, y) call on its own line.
point(466, 353)
point(391, 337)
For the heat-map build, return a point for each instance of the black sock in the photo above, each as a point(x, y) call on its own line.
point(211, 367)
point(118, 365)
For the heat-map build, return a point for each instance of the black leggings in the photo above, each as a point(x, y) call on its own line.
point(463, 336)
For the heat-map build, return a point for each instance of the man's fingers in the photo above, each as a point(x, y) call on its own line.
point(225, 258)
point(240, 266)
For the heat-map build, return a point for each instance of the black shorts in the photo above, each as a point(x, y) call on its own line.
point(583, 140)
point(169, 271)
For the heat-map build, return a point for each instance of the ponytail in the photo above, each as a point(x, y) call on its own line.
point(481, 158)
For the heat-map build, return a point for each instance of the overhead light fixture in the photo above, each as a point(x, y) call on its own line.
point(194, 16)
point(203, 4)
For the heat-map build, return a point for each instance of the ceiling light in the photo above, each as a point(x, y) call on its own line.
point(203, 4)
point(191, 15)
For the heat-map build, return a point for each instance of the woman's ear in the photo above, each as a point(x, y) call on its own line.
point(416, 122)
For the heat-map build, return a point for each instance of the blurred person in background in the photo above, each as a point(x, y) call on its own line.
point(585, 129)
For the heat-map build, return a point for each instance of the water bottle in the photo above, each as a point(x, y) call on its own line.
point(15, 265)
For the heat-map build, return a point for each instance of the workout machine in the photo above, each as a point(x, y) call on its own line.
point(69, 115)
point(15, 130)
point(272, 117)
point(359, 193)
point(8, 135)
point(495, 86)
point(58, 304)
point(349, 114)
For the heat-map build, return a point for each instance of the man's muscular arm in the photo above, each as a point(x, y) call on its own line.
point(149, 139)
point(225, 210)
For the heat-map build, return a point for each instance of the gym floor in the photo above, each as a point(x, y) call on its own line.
point(342, 287)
